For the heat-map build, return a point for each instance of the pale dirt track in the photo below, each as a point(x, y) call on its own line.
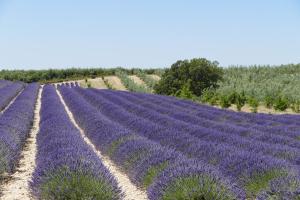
point(137, 80)
point(130, 190)
point(17, 187)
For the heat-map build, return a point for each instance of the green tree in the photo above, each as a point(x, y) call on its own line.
point(281, 103)
point(201, 72)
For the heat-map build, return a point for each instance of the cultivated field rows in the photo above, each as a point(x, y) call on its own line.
point(108, 144)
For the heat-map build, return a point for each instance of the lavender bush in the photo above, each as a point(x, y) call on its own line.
point(144, 160)
point(15, 124)
point(8, 92)
point(246, 166)
point(66, 167)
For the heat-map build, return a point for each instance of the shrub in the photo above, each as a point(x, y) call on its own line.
point(232, 97)
point(281, 103)
point(253, 102)
point(185, 92)
point(209, 96)
point(240, 100)
point(296, 106)
point(224, 101)
point(202, 74)
point(269, 101)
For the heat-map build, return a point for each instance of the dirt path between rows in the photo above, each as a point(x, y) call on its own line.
point(17, 188)
point(11, 102)
point(130, 190)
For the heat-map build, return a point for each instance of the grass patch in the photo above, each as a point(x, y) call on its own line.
point(196, 188)
point(261, 182)
point(66, 184)
point(153, 172)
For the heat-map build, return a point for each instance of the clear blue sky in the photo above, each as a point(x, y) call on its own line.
point(136, 33)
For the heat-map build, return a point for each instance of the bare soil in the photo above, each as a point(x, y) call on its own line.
point(115, 82)
point(97, 83)
point(137, 80)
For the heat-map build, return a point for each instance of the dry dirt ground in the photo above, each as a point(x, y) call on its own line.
point(154, 76)
point(115, 82)
point(137, 80)
point(130, 191)
point(260, 109)
point(17, 186)
point(95, 83)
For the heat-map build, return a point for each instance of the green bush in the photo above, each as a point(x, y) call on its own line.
point(269, 100)
point(296, 106)
point(209, 96)
point(281, 103)
point(202, 74)
point(240, 100)
point(253, 102)
point(232, 97)
point(185, 92)
point(224, 101)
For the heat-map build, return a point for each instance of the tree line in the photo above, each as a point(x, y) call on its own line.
point(58, 75)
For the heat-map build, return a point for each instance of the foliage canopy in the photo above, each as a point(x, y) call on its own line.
point(200, 73)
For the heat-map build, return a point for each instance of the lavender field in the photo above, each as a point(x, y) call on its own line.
point(66, 142)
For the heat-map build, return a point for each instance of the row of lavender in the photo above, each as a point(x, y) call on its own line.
point(165, 172)
point(8, 90)
point(15, 125)
point(3, 83)
point(277, 144)
point(252, 161)
point(66, 167)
